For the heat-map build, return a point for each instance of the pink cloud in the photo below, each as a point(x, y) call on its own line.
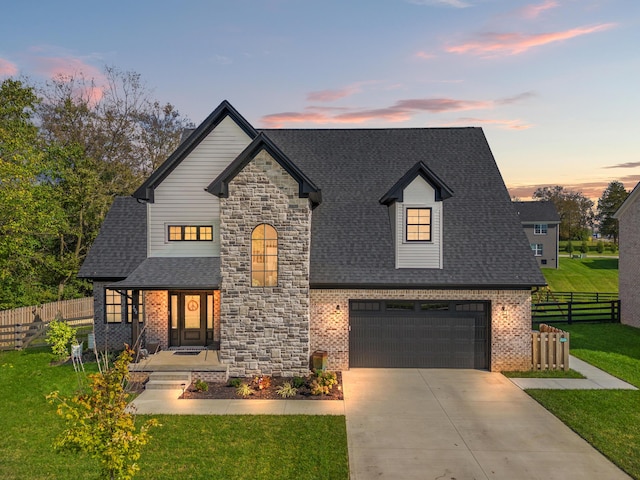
point(439, 105)
point(515, 43)
point(69, 67)
point(513, 124)
point(533, 11)
point(7, 68)
point(425, 55)
point(400, 111)
point(279, 120)
point(332, 95)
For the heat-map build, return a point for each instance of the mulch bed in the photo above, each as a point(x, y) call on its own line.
point(224, 391)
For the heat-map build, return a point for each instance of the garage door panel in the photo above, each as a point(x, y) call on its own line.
point(418, 339)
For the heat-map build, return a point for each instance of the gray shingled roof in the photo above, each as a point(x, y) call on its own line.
point(484, 244)
point(164, 273)
point(121, 244)
point(537, 211)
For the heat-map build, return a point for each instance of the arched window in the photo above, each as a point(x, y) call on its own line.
point(264, 256)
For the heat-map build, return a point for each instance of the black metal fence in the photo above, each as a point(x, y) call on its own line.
point(576, 311)
point(546, 296)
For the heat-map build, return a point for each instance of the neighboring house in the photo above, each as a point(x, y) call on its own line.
point(628, 216)
point(541, 223)
point(383, 247)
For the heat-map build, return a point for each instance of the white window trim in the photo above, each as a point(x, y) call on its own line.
point(546, 228)
point(535, 247)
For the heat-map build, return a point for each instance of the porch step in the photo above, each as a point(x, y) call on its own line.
point(168, 380)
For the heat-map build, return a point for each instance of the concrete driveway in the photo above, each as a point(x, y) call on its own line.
point(458, 424)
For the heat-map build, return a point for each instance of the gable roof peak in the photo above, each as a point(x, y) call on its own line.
point(396, 193)
point(306, 188)
point(225, 109)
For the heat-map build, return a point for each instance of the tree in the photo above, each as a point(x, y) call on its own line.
point(575, 210)
point(612, 197)
point(28, 216)
point(99, 424)
point(104, 140)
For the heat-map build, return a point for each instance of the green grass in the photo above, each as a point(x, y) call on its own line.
point(194, 447)
point(583, 275)
point(543, 374)
point(608, 419)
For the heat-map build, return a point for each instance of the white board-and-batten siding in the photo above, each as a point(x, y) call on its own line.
point(181, 199)
point(418, 194)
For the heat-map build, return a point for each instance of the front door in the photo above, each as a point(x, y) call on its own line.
point(191, 318)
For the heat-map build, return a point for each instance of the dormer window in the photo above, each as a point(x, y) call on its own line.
point(418, 225)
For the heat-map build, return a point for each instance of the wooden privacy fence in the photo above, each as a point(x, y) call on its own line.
point(575, 312)
point(550, 349)
point(18, 327)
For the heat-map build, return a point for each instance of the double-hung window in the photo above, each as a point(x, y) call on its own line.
point(418, 225)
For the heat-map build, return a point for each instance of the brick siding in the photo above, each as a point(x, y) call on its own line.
point(510, 322)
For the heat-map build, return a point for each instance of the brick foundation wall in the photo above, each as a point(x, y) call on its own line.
point(264, 330)
point(629, 265)
point(510, 322)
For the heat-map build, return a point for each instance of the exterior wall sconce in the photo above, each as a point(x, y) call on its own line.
point(337, 309)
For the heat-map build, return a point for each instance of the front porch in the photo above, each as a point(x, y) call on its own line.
point(203, 364)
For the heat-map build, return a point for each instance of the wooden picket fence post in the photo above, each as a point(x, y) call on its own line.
point(550, 349)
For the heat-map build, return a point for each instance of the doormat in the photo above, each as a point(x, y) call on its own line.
point(186, 353)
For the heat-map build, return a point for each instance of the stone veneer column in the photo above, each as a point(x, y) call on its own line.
point(264, 330)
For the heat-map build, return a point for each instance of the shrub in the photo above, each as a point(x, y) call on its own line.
point(323, 382)
point(298, 382)
point(614, 247)
point(584, 248)
point(261, 382)
point(569, 247)
point(59, 336)
point(99, 424)
point(244, 390)
point(287, 390)
point(600, 247)
point(200, 385)
point(234, 382)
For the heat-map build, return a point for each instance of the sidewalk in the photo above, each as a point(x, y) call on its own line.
point(596, 380)
point(151, 402)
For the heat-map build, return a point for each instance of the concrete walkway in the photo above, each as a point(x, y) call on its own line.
point(458, 424)
point(595, 379)
point(166, 402)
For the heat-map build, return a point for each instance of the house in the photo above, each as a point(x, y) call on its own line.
point(628, 216)
point(382, 247)
point(541, 223)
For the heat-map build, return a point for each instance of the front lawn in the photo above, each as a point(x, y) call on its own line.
point(256, 447)
point(591, 274)
point(608, 419)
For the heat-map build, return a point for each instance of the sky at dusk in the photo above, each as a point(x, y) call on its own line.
point(555, 84)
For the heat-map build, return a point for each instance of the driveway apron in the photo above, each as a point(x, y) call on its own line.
point(458, 424)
